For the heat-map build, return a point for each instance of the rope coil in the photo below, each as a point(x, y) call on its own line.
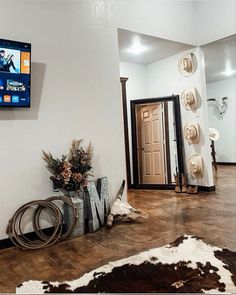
point(19, 239)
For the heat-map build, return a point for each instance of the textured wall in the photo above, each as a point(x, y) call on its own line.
point(75, 94)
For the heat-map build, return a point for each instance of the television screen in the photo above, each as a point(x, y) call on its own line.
point(15, 67)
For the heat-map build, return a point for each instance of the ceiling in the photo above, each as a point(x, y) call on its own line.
point(220, 59)
point(144, 49)
point(220, 56)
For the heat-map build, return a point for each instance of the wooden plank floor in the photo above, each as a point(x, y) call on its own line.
point(209, 215)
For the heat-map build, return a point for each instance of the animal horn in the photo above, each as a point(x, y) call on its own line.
point(224, 98)
point(211, 99)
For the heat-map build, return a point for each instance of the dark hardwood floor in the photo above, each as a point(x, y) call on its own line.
point(210, 215)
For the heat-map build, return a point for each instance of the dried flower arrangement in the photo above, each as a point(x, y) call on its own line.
point(71, 172)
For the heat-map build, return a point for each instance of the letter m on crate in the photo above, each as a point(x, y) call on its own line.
point(96, 204)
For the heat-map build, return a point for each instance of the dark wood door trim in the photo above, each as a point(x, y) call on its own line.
point(123, 81)
point(178, 131)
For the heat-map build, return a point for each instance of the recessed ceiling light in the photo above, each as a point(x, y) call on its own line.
point(228, 69)
point(136, 47)
point(229, 72)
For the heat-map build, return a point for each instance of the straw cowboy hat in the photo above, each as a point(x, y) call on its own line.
point(214, 134)
point(189, 99)
point(186, 65)
point(191, 132)
point(195, 167)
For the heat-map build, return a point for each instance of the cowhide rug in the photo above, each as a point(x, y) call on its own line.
point(187, 265)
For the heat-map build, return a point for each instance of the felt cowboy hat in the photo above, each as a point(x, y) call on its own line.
point(214, 134)
point(195, 167)
point(186, 65)
point(191, 132)
point(189, 99)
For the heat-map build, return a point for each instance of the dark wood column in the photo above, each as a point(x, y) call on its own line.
point(126, 133)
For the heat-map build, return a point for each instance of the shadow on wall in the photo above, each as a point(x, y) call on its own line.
point(37, 78)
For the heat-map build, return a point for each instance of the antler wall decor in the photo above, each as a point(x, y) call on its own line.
point(220, 104)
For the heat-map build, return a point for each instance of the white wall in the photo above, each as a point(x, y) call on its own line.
point(195, 22)
point(168, 19)
point(226, 145)
point(164, 79)
point(215, 19)
point(75, 94)
point(136, 88)
point(137, 82)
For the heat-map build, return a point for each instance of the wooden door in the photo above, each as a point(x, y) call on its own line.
point(152, 144)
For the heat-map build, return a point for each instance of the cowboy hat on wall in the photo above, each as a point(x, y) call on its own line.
point(187, 64)
point(192, 132)
point(214, 134)
point(195, 167)
point(189, 99)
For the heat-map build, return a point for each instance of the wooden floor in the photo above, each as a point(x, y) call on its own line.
point(211, 216)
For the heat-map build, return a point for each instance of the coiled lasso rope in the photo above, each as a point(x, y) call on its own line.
point(19, 239)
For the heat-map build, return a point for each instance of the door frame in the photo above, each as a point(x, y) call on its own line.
point(178, 131)
point(165, 133)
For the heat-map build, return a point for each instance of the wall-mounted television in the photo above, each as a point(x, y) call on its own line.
point(15, 70)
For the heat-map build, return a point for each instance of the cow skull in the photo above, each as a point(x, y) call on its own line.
point(220, 104)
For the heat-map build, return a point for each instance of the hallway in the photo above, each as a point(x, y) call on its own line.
point(211, 216)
